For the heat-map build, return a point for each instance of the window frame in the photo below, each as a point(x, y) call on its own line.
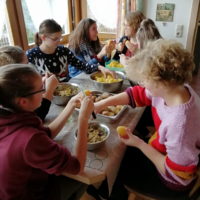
point(76, 10)
point(102, 36)
point(18, 28)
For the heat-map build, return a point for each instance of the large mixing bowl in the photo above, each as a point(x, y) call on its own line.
point(108, 87)
point(64, 92)
point(98, 129)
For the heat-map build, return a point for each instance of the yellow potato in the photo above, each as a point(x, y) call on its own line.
point(115, 64)
point(109, 79)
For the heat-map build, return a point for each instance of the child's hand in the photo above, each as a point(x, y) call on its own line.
point(51, 83)
point(120, 46)
point(131, 140)
point(76, 100)
point(99, 106)
point(103, 51)
point(111, 46)
point(106, 71)
point(131, 46)
point(87, 107)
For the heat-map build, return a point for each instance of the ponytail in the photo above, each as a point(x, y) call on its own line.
point(38, 40)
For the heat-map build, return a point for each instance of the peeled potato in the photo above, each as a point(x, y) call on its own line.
point(115, 64)
point(87, 92)
point(121, 130)
point(109, 79)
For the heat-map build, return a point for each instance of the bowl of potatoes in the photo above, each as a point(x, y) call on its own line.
point(108, 83)
point(97, 135)
point(64, 92)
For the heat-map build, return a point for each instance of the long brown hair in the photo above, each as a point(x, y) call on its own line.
point(147, 31)
point(48, 26)
point(81, 34)
point(16, 80)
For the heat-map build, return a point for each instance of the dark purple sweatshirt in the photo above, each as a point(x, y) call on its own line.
point(28, 155)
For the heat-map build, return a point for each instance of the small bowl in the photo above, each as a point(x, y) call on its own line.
point(63, 99)
point(108, 87)
point(98, 144)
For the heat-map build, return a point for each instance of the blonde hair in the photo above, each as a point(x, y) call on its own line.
point(162, 61)
point(147, 31)
point(11, 55)
point(134, 19)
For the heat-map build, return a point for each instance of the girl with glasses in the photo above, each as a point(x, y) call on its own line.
point(14, 54)
point(31, 163)
point(49, 56)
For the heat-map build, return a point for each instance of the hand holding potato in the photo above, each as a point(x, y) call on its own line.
point(128, 138)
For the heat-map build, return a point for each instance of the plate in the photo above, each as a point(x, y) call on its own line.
point(113, 68)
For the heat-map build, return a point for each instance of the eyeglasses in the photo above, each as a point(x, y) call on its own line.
point(55, 39)
point(32, 93)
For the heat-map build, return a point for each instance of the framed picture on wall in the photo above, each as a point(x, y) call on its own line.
point(165, 12)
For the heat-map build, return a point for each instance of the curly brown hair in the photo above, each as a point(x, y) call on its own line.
point(162, 60)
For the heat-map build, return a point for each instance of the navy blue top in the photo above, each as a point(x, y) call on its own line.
point(57, 63)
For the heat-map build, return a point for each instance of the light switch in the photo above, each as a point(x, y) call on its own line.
point(179, 30)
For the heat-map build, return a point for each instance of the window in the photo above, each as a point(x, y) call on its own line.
point(104, 12)
point(38, 10)
point(5, 36)
point(20, 19)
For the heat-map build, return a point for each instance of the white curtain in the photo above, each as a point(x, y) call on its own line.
point(2, 15)
point(109, 7)
point(40, 10)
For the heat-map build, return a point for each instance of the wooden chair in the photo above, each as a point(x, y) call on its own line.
point(146, 194)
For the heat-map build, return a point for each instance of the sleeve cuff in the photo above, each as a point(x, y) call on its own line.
point(130, 95)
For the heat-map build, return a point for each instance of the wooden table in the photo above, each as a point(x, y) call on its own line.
point(103, 162)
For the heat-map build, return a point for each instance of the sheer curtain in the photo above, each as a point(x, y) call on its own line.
point(2, 16)
point(4, 25)
point(104, 12)
point(40, 10)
